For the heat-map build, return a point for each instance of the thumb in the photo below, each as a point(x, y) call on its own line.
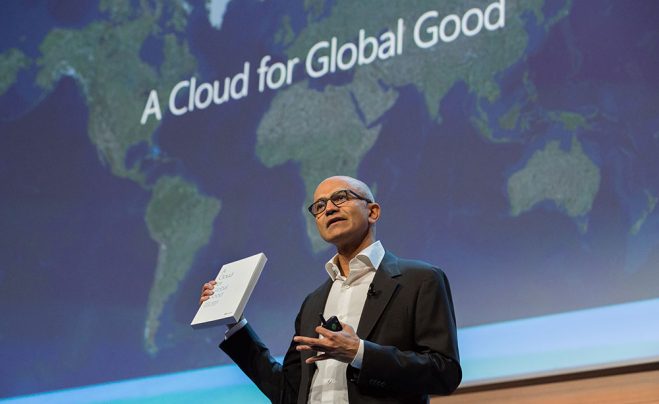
point(347, 327)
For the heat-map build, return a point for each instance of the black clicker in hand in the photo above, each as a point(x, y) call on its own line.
point(332, 324)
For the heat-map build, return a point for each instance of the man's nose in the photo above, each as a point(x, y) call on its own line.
point(330, 208)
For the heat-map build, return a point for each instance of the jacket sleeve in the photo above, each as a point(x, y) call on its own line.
point(433, 366)
point(279, 382)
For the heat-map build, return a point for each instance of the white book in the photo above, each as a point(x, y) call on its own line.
point(235, 283)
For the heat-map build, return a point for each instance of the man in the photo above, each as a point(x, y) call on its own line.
point(398, 342)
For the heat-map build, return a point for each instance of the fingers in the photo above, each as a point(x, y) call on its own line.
point(347, 328)
point(324, 331)
point(312, 344)
point(328, 341)
point(207, 291)
point(334, 334)
point(339, 345)
point(314, 347)
point(317, 358)
point(208, 285)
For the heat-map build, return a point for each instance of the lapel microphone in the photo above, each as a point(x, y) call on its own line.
point(370, 292)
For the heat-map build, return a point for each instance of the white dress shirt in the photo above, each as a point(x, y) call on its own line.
point(346, 301)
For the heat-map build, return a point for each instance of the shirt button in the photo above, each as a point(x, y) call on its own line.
point(346, 286)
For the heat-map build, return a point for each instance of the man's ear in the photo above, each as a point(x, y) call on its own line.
point(373, 212)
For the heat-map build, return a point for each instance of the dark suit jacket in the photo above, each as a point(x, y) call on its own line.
point(410, 343)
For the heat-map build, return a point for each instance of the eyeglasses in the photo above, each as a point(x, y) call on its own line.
point(338, 198)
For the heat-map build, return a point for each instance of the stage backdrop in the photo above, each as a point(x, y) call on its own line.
point(143, 144)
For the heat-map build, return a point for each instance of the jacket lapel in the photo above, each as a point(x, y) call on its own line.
point(315, 305)
point(308, 324)
point(384, 286)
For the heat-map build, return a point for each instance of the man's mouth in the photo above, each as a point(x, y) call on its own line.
point(334, 220)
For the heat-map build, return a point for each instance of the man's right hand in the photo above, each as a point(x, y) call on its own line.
point(207, 291)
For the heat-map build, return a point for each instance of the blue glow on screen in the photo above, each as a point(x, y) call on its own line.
point(567, 342)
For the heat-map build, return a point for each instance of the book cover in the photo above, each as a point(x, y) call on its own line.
point(235, 283)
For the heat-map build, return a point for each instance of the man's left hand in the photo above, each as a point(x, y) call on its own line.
point(340, 345)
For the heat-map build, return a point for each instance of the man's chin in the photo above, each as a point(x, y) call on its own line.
point(333, 236)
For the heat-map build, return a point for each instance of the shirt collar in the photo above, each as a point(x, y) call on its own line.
point(370, 256)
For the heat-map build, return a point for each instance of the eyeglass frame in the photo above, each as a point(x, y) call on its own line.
point(349, 193)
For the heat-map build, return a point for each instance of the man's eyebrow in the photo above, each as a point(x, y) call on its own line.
point(328, 195)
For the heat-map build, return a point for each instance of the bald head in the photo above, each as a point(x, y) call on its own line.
point(351, 183)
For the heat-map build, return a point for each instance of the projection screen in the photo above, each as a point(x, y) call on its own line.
point(144, 144)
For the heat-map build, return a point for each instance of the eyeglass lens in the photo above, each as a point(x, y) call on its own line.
point(337, 198)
